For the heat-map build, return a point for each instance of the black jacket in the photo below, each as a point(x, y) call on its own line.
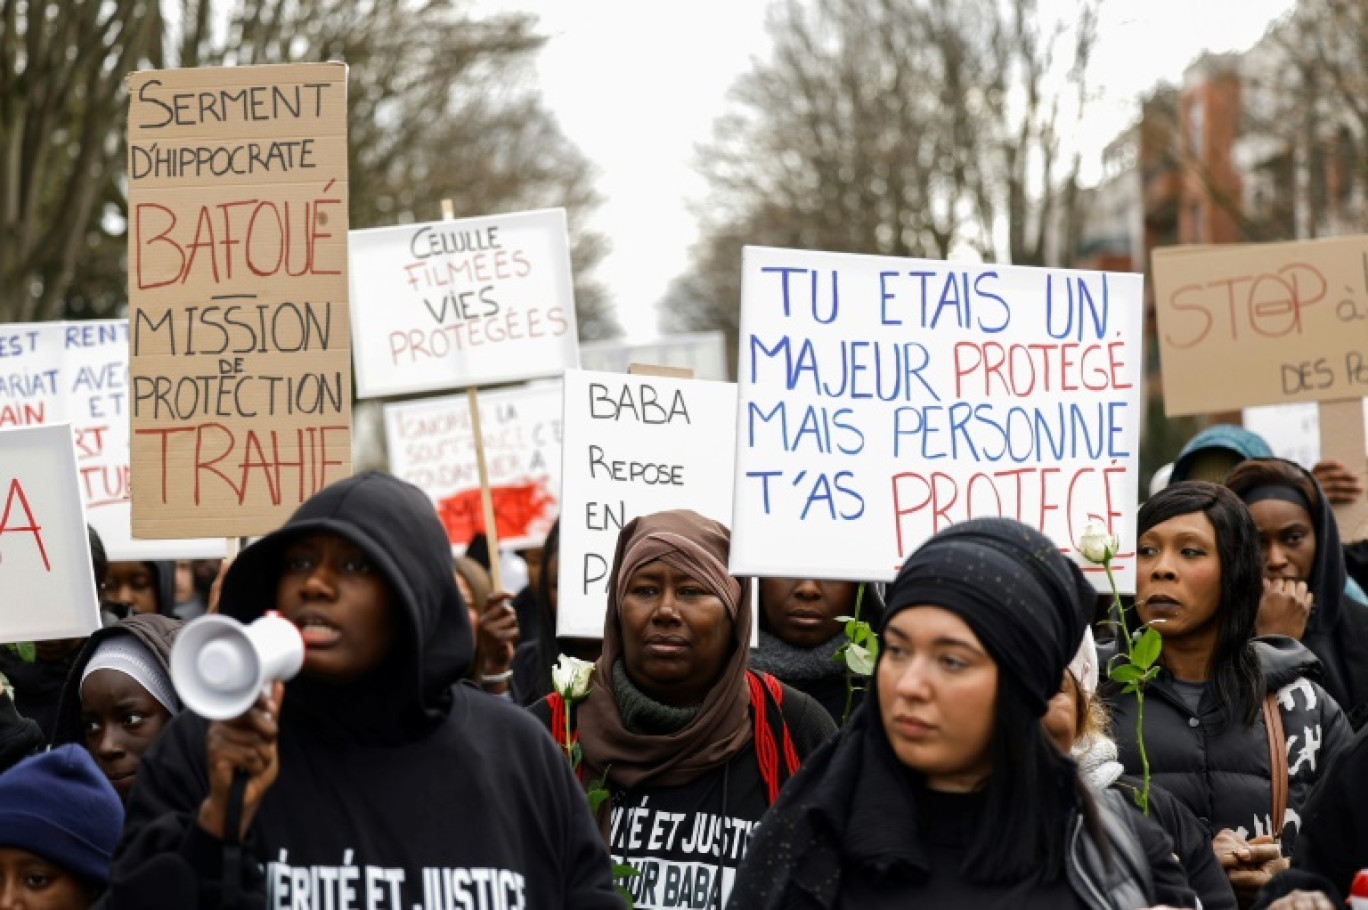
point(155, 632)
point(402, 790)
point(843, 828)
point(1333, 845)
point(1191, 843)
point(1222, 774)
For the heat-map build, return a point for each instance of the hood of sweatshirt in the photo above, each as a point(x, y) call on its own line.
point(153, 631)
point(1283, 660)
point(395, 525)
point(1237, 440)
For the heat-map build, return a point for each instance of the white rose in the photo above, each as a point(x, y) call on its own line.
point(570, 676)
point(1096, 545)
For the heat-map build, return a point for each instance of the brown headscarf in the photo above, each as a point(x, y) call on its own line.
point(698, 546)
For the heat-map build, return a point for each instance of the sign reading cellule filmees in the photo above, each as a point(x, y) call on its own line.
point(470, 302)
point(884, 399)
point(240, 366)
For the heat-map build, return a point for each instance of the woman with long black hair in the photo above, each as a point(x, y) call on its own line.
point(944, 789)
point(1207, 729)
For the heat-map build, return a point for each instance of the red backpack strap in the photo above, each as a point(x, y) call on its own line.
point(776, 691)
point(766, 752)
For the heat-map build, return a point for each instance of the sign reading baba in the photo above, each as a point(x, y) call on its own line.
point(240, 370)
point(634, 445)
point(884, 399)
point(432, 445)
point(77, 373)
point(460, 303)
point(45, 568)
point(1286, 322)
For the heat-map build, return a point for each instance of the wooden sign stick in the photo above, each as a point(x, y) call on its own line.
point(646, 369)
point(1342, 439)
point(486, 494)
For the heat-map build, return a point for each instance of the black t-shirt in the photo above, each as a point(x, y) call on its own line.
point(688, 841)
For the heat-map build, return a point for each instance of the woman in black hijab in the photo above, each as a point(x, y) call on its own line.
point(1304, 576)
point(944, 790)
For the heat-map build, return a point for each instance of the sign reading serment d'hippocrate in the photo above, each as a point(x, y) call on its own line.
point(634, 445)
point(884, 399)
point(237, 283)
point(432, 445)
point(77, 373)
point(470, 302)
point(45, 567)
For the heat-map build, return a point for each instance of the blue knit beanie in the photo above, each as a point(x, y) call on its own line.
point(59, 806)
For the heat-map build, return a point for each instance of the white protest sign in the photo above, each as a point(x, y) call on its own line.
point(431, 445)
point(704, 353)
point(45, 567)
point(883, 399)
point(634, 445)
point(1292, 431)
point(450, 304)
point(77, 372)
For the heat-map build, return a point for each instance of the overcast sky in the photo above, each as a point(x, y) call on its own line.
point(638, 84)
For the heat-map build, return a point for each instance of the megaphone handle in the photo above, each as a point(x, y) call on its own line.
point(232, 841)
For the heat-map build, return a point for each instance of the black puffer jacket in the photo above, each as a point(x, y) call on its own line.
point(1223, 774)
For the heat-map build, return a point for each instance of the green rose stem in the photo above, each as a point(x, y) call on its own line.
point(849, 673)
point(1138, 688)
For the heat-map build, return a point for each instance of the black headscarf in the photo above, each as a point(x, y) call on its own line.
point(1025, 600)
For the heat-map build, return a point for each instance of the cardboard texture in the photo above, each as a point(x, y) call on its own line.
point(44, 550)
point(1342, 439)
point(634, 445)
point(884, 399)
point(470, 302)
point(1255, 324)
point(240, 365)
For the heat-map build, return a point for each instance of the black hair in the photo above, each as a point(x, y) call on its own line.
point(1031, 794)
point(1259, 472)
point(548, 648)
point(99, 562)
point(1234, 668)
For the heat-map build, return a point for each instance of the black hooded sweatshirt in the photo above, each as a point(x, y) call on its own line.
point(1337, 631)
point(402, 791)
point(153, 631)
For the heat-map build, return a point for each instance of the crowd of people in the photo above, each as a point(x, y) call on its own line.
point(429, 755)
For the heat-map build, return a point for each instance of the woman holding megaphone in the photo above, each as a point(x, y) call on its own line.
point(373, 778)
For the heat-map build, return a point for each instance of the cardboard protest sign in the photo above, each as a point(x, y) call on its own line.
point(1286, 322)
point(634, 445)
point(240, 374)
point(884, 399)
point(468, 302)
point(45, 567)
point(431, 445)
point(77, 373)
point(702, 353)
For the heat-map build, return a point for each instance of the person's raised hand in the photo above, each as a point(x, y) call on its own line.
point(1284, 608)
point(1341, 485)
point(247, 743)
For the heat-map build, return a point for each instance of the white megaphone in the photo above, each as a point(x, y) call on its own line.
point(219, 666)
